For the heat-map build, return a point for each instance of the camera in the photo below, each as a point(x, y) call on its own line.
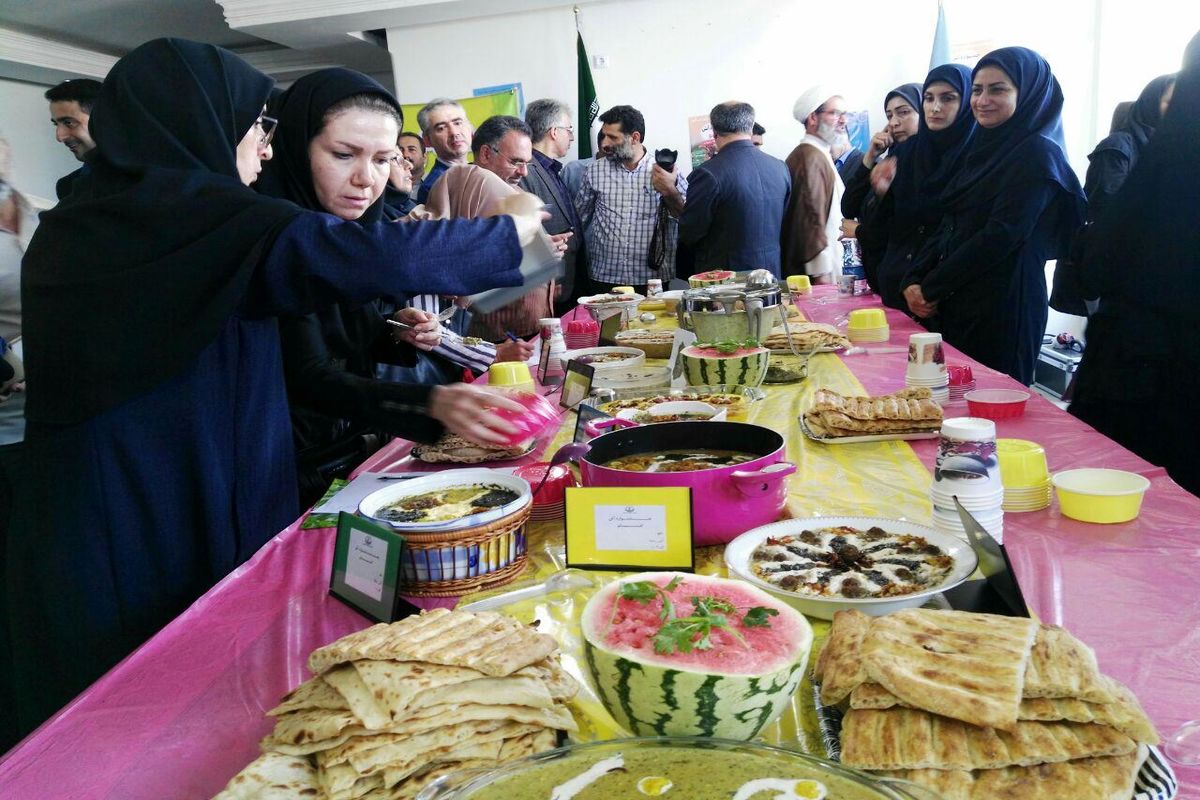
point(666, 158)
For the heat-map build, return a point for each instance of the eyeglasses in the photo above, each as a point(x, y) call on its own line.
point(568, 128)
point(266, 129)
point(833, 113)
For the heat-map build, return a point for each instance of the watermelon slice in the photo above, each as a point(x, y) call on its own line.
point(710, 278)
point(663, 667)
point(728, 364)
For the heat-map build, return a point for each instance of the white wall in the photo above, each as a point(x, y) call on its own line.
point(677, 58)
point(38, 160)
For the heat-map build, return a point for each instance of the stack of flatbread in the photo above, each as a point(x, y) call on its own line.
point(806, 336)
point(909, 411)
point(981, 707)
point(454, 449)
point(394, 707)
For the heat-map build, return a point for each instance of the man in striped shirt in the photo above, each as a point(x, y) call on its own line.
point(618, 204)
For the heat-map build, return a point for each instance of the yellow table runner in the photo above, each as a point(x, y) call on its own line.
point(883, 479)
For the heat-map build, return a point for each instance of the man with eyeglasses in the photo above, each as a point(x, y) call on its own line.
point(70, 110)
point(813, 219)
point(550, 126)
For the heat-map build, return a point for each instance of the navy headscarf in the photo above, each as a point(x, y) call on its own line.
point(1135, 132)
point(301, 112)
point(1026, 147)
point(127, 283)
point(928, 160)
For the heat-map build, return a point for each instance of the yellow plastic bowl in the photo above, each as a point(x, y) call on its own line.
point(867, 318)
point(1100, 495)
point(1022, 463)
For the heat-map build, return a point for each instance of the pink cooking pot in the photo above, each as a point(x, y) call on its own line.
point(726, 501)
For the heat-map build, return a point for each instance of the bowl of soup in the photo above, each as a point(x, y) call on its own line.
point(671, 767)
point(736, 471)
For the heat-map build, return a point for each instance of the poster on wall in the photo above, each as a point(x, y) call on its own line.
point(967, 53)
point(858, 128)
point(478, 109)
point(701, 140)
point(500, 89)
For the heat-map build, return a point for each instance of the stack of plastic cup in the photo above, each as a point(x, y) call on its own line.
point(868, 325)
point(962, 380)
point(1025, 475)
point(967, 468)
point(927, 365)
point(581, 331)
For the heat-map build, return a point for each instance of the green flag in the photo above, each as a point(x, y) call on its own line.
point(589, 107)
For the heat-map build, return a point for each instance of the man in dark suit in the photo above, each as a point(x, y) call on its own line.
point(552, 134)
point(736, 199)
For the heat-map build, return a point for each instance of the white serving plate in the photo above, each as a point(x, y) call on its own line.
point(635, 358)
point(737, 559)
point(871, 437)
point(372, 503)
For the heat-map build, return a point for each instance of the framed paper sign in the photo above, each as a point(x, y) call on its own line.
point(366, 569)
point(629, 528)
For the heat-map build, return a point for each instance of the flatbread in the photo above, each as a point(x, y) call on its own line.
point(454, 449)
point(557, 680)
point(1108, 778)
point(967, 666)
point(394, 684)
point(1062, 666)
point(273, 776)
point(840, 667)
point(426, 719)
point(1126, 714)
point(902, 738)
point(313, 693)
point(491, 643)
point(302, 732)
point(345, 679)
point(805, 336)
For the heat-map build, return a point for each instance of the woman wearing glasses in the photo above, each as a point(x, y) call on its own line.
point(159, 446)
point(1012, 206)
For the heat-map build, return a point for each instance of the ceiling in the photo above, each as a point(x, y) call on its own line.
point(58, 39)
point(118, 26)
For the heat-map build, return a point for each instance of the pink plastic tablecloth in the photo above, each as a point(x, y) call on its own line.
point(185, 712)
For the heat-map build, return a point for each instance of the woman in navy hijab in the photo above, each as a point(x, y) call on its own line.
point(1140, 374)
point(158, 445)
point(909, 212)
point(1012, 206)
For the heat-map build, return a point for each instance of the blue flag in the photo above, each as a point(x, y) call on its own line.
point(941, 41)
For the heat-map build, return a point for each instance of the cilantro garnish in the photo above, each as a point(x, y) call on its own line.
point(693, 632)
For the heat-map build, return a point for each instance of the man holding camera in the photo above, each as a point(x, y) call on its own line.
point(736, 199)
point(629, 203)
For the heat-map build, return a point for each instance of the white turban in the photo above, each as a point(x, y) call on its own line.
point(811, 100)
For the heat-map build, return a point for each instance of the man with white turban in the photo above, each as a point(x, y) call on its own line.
point(812, 222)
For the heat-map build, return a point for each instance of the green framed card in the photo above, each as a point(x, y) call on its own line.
point(629, 527)
point(366, 569)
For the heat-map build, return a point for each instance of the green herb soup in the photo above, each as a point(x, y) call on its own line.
point(675, 773)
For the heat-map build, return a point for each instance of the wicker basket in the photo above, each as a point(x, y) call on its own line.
point(453, 563)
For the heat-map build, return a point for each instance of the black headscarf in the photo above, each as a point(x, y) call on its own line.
point(123, 288)
point(909, 92)
point(1138, 127)
point(1146, 244)
point(928, 160)
point(301, 112)
point(1028, 146)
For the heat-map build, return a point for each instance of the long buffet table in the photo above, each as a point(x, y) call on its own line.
point(184, 712)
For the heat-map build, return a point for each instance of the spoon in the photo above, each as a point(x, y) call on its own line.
point(568, 452)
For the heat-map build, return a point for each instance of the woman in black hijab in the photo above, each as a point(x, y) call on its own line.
point(159, 450)
point(346, 123)
point(1140, 374)
point(909, 211)
point(1012, 206)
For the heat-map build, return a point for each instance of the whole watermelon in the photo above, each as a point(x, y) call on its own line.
point(732, 689)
